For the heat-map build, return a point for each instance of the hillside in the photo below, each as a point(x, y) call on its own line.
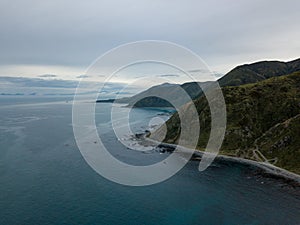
point(172, 92)
point(255, 72)
point(262, 121)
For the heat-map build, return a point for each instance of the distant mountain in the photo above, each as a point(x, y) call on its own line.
point(263, 120)
point(244, 74)
point(255, 72)
point(173, 92)
point(147, 98)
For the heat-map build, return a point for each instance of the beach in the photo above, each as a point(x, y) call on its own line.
point(266, 168)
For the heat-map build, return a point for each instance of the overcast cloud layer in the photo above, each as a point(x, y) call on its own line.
point(63, 37)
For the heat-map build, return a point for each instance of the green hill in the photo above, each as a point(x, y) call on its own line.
point(255, 72)
point(262, 121)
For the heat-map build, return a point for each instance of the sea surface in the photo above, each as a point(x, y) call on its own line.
point(45, 180)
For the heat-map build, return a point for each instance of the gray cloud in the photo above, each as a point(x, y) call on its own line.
point(38, 86)
point(37, 82)
point(47, 76)
point(196, 71)
point(168, 75)
point(82, 76)
point(68, 33)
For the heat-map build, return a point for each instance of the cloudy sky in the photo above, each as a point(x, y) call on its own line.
point(63, 37)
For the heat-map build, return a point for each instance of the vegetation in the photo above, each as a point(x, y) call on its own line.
point(262, 121)
point(255, 72)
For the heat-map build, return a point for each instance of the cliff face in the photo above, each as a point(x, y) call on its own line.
point(262, 121)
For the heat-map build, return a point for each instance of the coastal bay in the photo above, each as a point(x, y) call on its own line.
point(45, 179)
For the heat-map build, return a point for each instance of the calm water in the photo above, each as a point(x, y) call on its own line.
point(45, 180)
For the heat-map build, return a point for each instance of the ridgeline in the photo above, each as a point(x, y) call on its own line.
point(263, 116)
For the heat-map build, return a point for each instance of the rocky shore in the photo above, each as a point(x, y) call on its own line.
point(263, 169)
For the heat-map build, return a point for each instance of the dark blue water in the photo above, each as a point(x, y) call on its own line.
point(45, 180)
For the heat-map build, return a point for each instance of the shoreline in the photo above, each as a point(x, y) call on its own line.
point(267, 169)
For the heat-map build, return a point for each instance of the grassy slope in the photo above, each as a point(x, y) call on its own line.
point(255, 72)
point(282, 141)
point(252, 111)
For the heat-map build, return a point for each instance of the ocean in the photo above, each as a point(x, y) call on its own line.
point(45, 180)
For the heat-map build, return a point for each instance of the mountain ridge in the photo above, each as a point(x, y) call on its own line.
point(258, 71)
point(252, 111)
point(242, 74)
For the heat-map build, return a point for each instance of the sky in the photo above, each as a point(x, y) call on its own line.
point(61, 38)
